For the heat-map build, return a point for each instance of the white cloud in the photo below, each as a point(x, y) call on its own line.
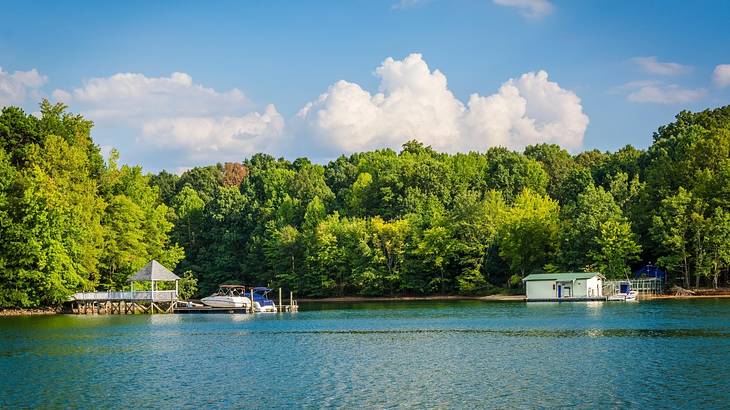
point(173, 122)
point(415, 102)
point(131, 96)
point(249, 133)
point(633, 85)
point(653, 66)
point(534, 9)
point(528, 110)
point(173, 113)
point(652, 92)
point(15, 88)
point(721, 75)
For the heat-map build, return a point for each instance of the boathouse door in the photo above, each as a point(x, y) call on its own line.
point(565, 290)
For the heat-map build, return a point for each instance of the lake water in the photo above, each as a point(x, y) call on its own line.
point(660, 354)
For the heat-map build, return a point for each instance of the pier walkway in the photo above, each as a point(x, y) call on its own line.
point(134, 296)
point(144, 301)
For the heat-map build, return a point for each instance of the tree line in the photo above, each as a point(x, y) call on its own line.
point(69, 220)
point(414, 222)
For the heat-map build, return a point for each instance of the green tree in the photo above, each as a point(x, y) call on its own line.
point(512, 173)
point(672, 228)
point(284, 252)
point(582, 227)
point(719, 243)
point(529, 235)
point(616, 249)
point(188, 285)
point(556, 161)
point(189, 210)
point(388, 249)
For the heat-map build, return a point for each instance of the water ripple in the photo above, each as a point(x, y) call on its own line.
point(410, 355)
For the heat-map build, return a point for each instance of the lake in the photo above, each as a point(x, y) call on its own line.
point(456, 354)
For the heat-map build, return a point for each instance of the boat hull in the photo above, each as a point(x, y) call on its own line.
point(226, 301)
point(624, 297)
point(263, 309)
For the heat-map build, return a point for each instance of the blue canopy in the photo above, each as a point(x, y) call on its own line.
point(261, 289)
point(651, 271)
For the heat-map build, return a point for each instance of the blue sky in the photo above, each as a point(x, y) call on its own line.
point(251, 73)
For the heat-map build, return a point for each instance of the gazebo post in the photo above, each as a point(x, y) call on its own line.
point(154, 272)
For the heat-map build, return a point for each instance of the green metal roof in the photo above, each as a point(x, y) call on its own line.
point(561, 277)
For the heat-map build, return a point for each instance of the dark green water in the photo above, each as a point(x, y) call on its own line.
point(662, 354)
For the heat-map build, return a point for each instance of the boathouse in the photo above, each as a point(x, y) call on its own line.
point(564, 286)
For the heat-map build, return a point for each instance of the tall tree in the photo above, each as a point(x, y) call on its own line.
point(616, 249)
point(672, 228)
point(529, 235)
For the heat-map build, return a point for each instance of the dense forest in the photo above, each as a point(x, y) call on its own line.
point(413, 222)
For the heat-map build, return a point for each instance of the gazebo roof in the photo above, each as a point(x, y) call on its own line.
point(154, 271)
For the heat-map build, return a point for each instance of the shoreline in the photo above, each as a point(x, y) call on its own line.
point(345, 299)
point(495, 298)
point(43, 311)
point(652, 297)
point(29, 311)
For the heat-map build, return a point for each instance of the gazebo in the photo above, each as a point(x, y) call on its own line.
point(155, 272)
point(132, 302)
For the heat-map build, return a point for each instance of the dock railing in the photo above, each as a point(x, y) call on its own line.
point(643, 286)
point(136, 296)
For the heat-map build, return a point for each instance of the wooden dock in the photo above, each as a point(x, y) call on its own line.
point(208, 309)
point(591, 299)
point(151, 302)
point(124, 303)
point(183, 309)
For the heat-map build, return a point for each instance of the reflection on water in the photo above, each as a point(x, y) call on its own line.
point(410, 354)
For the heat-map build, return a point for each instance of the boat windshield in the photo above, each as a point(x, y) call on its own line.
point(260, 296)
point(230, 290)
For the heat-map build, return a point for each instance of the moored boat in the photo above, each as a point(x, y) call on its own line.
point(625, 293)
point(261, 301)
point(228, 296)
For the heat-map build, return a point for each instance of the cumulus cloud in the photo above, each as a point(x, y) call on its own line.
point(126, 96)
point(204, 134)
point(175, 113)
point(655, 92)
point(17, 87)
point(415, 102)
point(174, 122)
point(721, 75)
point(533, 9)
point(653, 66)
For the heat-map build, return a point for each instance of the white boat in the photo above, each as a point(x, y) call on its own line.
point(228, 296)
point(619, 297)
point(625, 294)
